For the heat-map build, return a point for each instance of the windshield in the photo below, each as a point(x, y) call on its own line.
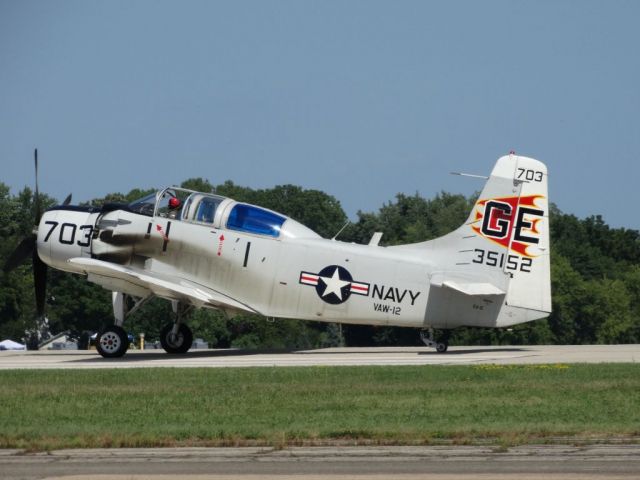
point(144, 205)
point(169, 203)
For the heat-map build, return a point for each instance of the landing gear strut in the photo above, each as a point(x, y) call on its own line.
point(440, 345)
point(177, 337)
point(113, 341)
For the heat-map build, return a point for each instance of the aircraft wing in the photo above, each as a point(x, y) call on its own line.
point(165, 287)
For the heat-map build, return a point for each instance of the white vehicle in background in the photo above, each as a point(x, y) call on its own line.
point(11, 345)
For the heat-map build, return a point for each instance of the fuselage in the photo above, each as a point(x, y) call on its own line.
point(272, 265)
point(275, 277)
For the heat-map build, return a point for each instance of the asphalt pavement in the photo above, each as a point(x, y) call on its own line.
point(310, 463)
point(502, 355)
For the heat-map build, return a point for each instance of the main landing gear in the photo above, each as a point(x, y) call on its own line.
point(113, 341)
point(441, 345)
point(176, 337)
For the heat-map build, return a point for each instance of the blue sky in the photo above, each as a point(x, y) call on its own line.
point(360, 99)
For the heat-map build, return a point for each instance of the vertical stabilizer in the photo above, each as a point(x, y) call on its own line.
point(494, 270)
point(511, 218)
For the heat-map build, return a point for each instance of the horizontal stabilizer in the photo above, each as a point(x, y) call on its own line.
point(162, 287)
point(474, 289)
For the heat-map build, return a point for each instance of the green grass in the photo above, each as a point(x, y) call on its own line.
point(42, 410)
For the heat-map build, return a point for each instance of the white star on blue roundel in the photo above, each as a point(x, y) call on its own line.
point(334, 284)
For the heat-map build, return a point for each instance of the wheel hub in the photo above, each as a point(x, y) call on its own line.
point(175, 340)
point(110, 342)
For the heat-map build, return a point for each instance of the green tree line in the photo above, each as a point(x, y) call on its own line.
point(595, 276)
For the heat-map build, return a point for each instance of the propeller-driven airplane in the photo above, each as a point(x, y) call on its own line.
point(203, 250)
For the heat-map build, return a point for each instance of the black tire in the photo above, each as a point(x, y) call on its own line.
point(112, 342)
point(182, 341)
point(442, 347)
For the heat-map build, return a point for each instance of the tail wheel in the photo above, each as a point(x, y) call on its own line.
point(112, 342)
point(178, 343)
point(441, 346)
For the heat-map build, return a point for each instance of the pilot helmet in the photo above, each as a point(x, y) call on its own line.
point(174, 203)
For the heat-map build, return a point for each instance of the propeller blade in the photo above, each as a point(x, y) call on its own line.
point(67, 200)
point(25, 248)
point(37, 194)
point(40, 282)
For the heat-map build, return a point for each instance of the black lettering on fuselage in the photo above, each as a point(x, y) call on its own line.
point(390, 295)
point(393, 294)
point(377, 292)
point(379, 307)
point(413, 297)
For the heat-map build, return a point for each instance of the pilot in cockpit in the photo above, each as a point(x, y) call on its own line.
point(174, 207)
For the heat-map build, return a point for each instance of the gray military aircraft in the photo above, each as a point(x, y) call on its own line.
point(200, 250)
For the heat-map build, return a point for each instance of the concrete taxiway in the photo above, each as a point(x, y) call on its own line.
point(511, 355)
point(356, 463)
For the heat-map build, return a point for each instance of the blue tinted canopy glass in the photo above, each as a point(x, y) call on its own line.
point(250, 219)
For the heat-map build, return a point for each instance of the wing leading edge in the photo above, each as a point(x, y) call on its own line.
point(105, 273)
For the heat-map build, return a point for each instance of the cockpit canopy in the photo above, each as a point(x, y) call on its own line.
point(219, 212)
point(252, 219)
point(200, 208)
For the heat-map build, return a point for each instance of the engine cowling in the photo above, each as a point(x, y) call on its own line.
point(65, 233)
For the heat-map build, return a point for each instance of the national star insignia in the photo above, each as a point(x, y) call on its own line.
point(334, 284)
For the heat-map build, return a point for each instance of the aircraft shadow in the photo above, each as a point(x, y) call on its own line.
point(475, 350)
point(148, 355)
point(411, 350)
point(151, 355)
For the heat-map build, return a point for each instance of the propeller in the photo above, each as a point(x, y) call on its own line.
point(20, 254)
point(39, 267)
point(37, 195)
point(27, 247)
